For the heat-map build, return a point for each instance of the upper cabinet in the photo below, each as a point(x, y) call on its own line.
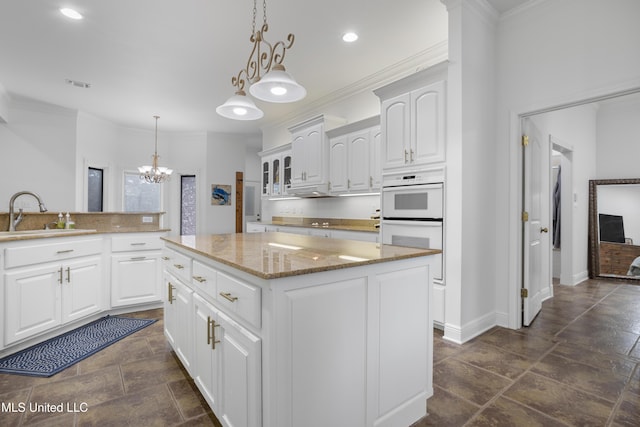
point(354, 157)
point(413, 119)
point(309, 151)
point(276, 171)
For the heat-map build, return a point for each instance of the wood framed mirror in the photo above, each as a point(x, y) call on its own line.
point(614, 229)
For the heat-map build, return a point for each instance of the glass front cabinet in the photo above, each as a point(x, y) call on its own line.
point(276, 172)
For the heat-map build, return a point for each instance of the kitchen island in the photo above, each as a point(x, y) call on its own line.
point(278, 329)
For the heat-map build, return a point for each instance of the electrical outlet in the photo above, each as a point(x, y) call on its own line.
point(147, 219)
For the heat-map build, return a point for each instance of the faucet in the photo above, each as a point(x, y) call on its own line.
point(13, 223)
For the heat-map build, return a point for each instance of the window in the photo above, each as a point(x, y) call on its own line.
point(140, 196)
point(188, 205)
point(95, 190)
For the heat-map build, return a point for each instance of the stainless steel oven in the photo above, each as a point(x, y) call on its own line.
point(412, 215)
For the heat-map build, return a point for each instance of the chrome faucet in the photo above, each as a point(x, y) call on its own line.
point(13, 223)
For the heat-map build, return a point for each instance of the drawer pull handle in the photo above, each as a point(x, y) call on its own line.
point(178, 266)
point(60, 275)
point(66, 251)
point(138, 258)
point(166, 258)
point(199, 279)
point(138, 244)
point(227, 296)
point(211, 333)
point(171, 299)
point(68, 274)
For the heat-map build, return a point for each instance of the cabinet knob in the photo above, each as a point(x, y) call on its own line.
point(178, 266)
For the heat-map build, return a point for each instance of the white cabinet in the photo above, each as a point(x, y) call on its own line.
point(309, 151)
point(276, 171)
point(227, 366)
point(413, 127)
point(177, 318)
point(39, 296)
point(384, 327)
point(354, 157)
point(135, 269)
point(255, 227)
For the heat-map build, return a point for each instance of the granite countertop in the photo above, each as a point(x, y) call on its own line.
point(13, 236)
point(275, 255)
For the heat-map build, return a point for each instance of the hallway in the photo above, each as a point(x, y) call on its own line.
point(577, 365)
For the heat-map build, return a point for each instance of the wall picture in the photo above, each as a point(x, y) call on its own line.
point(220, 195)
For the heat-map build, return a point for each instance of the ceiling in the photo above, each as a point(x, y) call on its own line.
point(175, 59)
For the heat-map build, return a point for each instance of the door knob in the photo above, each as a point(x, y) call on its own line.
point(544, 230)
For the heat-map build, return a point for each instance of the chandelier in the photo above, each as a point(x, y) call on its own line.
point(155, 174)
point(267, 77)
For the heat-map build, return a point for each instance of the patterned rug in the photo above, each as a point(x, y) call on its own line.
point(58, 353)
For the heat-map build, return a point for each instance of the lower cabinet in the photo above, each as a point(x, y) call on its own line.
point(177, 319)
point(135, 278)
point(227, 366)
point(38, 298)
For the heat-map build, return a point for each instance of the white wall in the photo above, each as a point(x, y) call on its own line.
point(552, 53)
point(225, 156)
point(360, 207)
point(619, 139)
point(471, 167)
point(38, 147)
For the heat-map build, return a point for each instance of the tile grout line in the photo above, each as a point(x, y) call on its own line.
point(513, 381)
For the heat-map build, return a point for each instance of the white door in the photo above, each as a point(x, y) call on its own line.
point(535, 224)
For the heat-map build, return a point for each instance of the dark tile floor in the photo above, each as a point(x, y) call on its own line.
point(578, 364)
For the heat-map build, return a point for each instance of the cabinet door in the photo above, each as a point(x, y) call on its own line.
point(286, 172)
point(338, 164)
point(315, 155)
point(375, 158)
point(266, 177)
point(81, 288)
point(135, 278)
point(428, 118)
point(182, 305)
point(298, 154)
point(206, 360)
point(395, 121)
point(240, 382)
point(358, 148)
point(276, 170)
point(32, 301)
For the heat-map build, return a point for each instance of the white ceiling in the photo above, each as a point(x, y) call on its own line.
point(176, 58)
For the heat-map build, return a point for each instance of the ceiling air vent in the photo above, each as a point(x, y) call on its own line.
point(78, 84)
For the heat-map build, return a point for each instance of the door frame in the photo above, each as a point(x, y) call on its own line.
point(515, 238)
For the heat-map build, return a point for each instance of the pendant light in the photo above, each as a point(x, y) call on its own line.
point(265, 73)
point(155, 174)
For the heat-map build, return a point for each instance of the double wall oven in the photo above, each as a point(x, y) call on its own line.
point(412, 214)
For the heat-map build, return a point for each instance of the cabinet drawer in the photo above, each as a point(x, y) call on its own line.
point(204, 278)
point(51, 252)
point(239, 298)
point(177, 264)
point(135, 243)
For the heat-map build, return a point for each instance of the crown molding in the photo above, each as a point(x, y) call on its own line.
point(421, 60)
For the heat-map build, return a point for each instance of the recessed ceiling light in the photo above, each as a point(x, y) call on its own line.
point(70, 13)
point(349, 37)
